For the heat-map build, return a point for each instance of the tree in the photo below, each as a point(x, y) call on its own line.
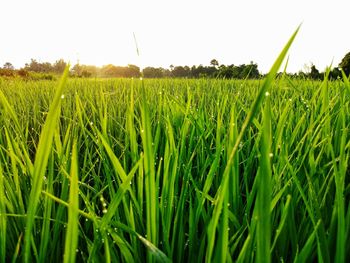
point(111, 71)
point(59, 66)
point(214, 62)
point(335, 74)
point(314, 72)
point(9, 66)
point(151, 72)
point(132, 71)
point(225, 72)
point(36, 66)
point(181, 72)
point(77, 70)
point(345, 64)
point(251, 71)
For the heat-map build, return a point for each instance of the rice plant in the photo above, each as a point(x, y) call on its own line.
point(129, 170)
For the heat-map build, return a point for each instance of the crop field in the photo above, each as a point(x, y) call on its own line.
point(130, 170)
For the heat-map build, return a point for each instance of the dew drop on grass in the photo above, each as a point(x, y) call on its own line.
point(62, 96)
point(267, 94)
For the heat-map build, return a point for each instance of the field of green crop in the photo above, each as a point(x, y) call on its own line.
point(175, 170)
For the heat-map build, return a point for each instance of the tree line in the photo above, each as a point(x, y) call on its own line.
point(214, 70)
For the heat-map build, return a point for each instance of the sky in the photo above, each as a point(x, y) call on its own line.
point(181, 32)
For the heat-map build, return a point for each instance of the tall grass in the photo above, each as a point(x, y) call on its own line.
point(175, 170)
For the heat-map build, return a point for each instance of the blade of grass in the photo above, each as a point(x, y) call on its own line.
point(41, 158)
point(251, 114)
point(3, 219)
point(263, 201)
point(72, 233)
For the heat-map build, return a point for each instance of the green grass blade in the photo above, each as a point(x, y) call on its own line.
point(159, 256)
point(282, 221)
point(263, 202)
point(41, 159)
point(306, 251)
point(3, 219)
point(346, 81)
point(250, 116)
point(265, 86)
point(72, 233)
point(113, 206)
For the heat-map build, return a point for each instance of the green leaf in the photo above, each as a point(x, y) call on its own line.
point(72, 233)
point(40, 163)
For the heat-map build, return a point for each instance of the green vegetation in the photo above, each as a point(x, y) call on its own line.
point(45, 70)
point(129, 170)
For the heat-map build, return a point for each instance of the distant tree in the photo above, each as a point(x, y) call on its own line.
point(151, 72)
point(314, 73)
point(166, 73)
point(36, 66)
point(345, 64)
point(250, 71)
point(132, 71)
point(77, 70)
point(335, 74)
point(196, 71)
point(237, 71)
point(301, 74)
point(181, 72)
point(46, 67)
point(9, 66)
point(214, 62)
point(59, 66)
point(225, 72)
point(85, 73)
point(109, 71)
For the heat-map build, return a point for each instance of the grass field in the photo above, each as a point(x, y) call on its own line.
point(175, 170)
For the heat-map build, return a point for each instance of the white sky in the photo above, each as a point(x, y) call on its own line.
point(181, 32)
